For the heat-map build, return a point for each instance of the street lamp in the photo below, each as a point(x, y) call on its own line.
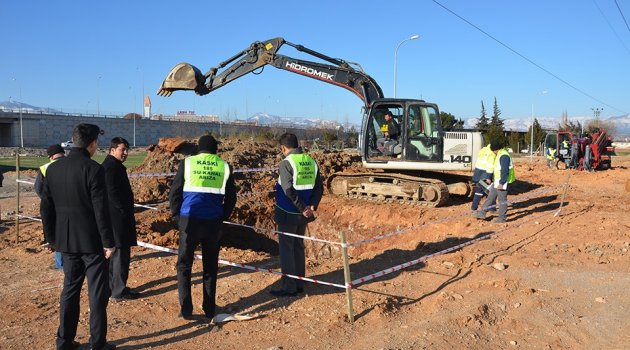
point(531, 131)
point(98, 96)
point(20, 106)
point(413, 37)
point(596, 112)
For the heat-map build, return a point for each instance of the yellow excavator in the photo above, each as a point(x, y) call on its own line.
point(415, 166)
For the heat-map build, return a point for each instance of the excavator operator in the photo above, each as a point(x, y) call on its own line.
point(391, 132)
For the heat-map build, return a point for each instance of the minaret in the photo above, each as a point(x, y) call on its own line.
point(147, 107)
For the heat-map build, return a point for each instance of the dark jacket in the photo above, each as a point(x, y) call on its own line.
point(121, 208)
point(393, 130)
point(176, 198)
point(74, 206)
point(285, 171)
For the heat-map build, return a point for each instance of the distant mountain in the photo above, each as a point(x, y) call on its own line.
point(261, 118)
point(17, 106)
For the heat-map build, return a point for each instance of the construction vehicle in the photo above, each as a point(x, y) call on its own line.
point(421, 147)
point(592, 152)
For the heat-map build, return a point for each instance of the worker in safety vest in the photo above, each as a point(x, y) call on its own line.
point(298, 193)
point(202, 196)
point(503, 175)
point(482, 176)
point(54, 152)
point(551, 156)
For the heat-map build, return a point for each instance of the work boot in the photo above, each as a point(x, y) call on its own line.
point(480, 214)
point(499, 220)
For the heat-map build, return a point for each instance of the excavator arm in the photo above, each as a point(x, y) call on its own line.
point(185, 76)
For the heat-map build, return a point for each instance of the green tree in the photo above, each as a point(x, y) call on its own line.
point(539, 134)
point(575, 128)
point(329, 137)
point(351, 137)
point(449, 122)
point(482, 124)
point(495, 121)
point(514, 141)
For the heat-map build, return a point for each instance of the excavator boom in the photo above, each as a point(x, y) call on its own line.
point(185, 76)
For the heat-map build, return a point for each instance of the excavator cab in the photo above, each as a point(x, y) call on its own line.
point(419, 132)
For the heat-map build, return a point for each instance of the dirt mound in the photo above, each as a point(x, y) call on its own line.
point(254, 188)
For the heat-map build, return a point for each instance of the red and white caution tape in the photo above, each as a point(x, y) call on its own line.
point(246, 170)
point(145, 206)
point(248, 267)
point(25, 182)
point(29, 217)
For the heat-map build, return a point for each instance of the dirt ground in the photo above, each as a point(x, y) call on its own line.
point(539, 281)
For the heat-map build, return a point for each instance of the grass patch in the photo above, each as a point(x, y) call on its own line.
point(8, 163)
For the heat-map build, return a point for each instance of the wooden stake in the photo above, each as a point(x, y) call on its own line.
point(346, 276)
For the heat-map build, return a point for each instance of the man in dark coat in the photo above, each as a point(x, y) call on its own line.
point(298, 193)
point(121, 210)
point(75, 216)
point(202, 196)
point(54, 152)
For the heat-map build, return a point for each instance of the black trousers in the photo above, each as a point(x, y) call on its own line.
point(75, 268)
point(207, 233)
point(292, 260)
point(119, 271)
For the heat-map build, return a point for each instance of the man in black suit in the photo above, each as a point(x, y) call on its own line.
point(76, 221)
point(123, 220)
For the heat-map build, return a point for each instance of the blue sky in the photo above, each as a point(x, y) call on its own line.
point(81, 56)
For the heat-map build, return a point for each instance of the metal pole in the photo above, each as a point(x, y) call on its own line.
point(98, 96)
point(17, 211)
point(20, 111)
point(346, 276)
point(413, 37)
point(531, 139)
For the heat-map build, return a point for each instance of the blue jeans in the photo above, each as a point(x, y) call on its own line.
point(58, 260)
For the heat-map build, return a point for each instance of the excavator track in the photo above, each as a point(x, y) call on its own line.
point(394, 188)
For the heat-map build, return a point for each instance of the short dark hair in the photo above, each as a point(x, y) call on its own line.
point(388, 112)
point(113, 144)
point(54, 149)
point(288, 140)
point(207, 143)
point(496, 144)
point(84, 134)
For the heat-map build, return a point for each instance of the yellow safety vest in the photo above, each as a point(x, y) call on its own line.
point(45, 166)
point(552, 153)
point(205, 173)
point(497, 166)
point(485, 159)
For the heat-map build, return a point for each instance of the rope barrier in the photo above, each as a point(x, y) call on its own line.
point(446, 219)
point(442, 252)
point(285, 233)
point(248, 267)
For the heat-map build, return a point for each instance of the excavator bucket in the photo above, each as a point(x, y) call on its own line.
point(183, 76)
